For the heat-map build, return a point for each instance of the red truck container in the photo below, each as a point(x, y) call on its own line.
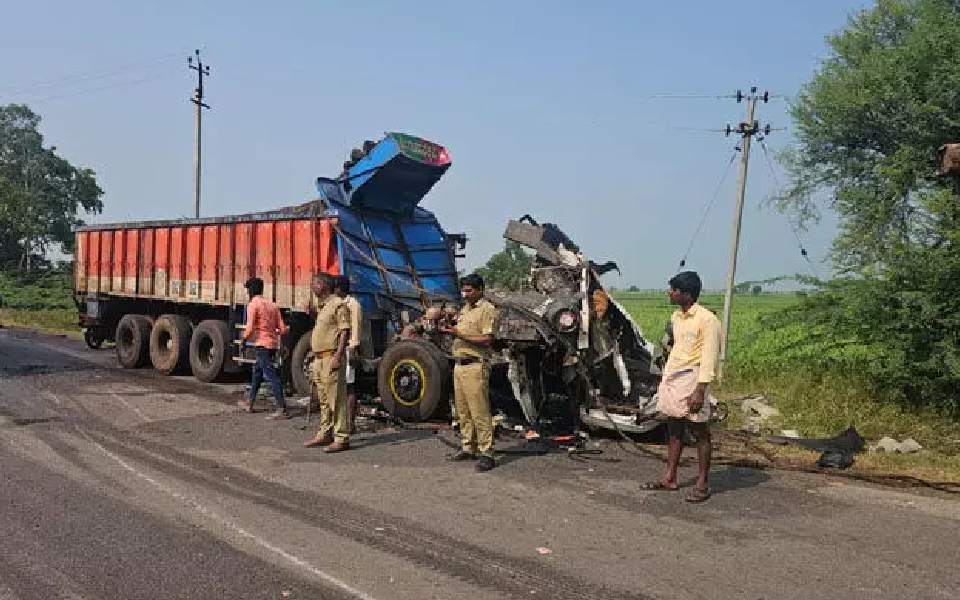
point(171, 293)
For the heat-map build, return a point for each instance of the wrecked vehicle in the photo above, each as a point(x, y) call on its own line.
point(567, 354)
point(572, 353)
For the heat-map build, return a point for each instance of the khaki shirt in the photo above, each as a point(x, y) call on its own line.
point(479, 320)
point(696, 342)
point(356, 314)
point(333, 316)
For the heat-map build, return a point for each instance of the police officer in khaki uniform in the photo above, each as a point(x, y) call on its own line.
point(472, 347)
point(328, 345)
point(353, 344)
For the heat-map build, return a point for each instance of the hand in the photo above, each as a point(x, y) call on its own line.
point(335, 362)
point(447, 328)
point(695, 401)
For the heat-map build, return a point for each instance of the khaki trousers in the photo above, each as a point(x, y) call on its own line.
point(331, 392)
point(471, 396)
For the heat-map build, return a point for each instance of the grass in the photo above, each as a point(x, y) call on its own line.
point(55, 320)
point(40, 301)
point(817, 404)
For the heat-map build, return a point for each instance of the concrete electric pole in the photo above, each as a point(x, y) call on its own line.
point(202, 71)
point(747, 130)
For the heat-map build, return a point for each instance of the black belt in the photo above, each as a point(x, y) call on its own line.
point(466, 360)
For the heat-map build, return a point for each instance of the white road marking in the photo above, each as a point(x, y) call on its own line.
point(296, 560)
point(120, 399)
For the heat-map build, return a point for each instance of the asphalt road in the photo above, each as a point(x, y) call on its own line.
point(125, 484)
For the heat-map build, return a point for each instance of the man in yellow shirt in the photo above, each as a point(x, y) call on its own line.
point(690, 369)
point(472, 348)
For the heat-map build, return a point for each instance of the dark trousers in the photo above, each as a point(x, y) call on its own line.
point(264, 370)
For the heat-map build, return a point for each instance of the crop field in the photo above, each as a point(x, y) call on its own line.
point(652, 311)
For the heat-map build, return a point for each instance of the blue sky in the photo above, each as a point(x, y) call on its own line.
point(547, 108)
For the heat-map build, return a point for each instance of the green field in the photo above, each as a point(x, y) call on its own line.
point(813, 401)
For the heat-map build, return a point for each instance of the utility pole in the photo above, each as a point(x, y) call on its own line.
point(747, 129)
point(202, 71)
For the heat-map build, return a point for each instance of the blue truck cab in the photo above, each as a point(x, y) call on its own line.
point(399, 261)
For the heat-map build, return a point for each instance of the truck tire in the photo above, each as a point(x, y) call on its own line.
point(300, 365)
point(210, 349)
point(170, 344)
point(133, 341)
point(93, 338)
point(413, 379)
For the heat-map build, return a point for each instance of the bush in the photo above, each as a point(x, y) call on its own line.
point(900, 332)
point(37, 291)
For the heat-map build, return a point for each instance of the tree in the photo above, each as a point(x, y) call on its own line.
point(507, 269)
point(868, 125)
point(41, 194)
point(755, 290)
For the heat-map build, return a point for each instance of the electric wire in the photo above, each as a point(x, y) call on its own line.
point(120, 84)
point(793, 228)
point(707, 208)
point(79, 78)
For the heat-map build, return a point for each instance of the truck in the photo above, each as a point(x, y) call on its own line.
point(171, 294)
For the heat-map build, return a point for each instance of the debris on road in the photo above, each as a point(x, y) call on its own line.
point(756, 407)
point(542, 551)
point(889, 444)
point(837, 451)
point(758, 413)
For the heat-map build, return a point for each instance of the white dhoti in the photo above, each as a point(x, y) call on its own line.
point(673, 396)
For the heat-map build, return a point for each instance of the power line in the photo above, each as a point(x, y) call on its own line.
point(793, 228)
point(706, 211)
point(119, 84)
point(78, 78)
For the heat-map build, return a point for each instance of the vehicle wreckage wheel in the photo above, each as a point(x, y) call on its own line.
point(413, 379)
point(133, 341)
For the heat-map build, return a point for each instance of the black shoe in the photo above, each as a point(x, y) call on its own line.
point(461, 456)
point(485, 464)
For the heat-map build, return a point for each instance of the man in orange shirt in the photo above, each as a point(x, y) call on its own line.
point(263, 330)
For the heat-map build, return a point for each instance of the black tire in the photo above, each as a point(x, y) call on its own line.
point(93, 338)
point(170, 344)
point(299, 365)
point(210, 350)
point(413, 380)
point(133, 341)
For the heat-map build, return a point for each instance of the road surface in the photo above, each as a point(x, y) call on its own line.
point(125, 484)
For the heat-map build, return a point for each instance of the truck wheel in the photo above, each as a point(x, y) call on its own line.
point(170, 344)
point(210, 349)
point(413, 379)
point(133, 341)
point(300, 365)
point(93, 338)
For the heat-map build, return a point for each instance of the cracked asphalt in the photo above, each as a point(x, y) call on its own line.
point(127, 484)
